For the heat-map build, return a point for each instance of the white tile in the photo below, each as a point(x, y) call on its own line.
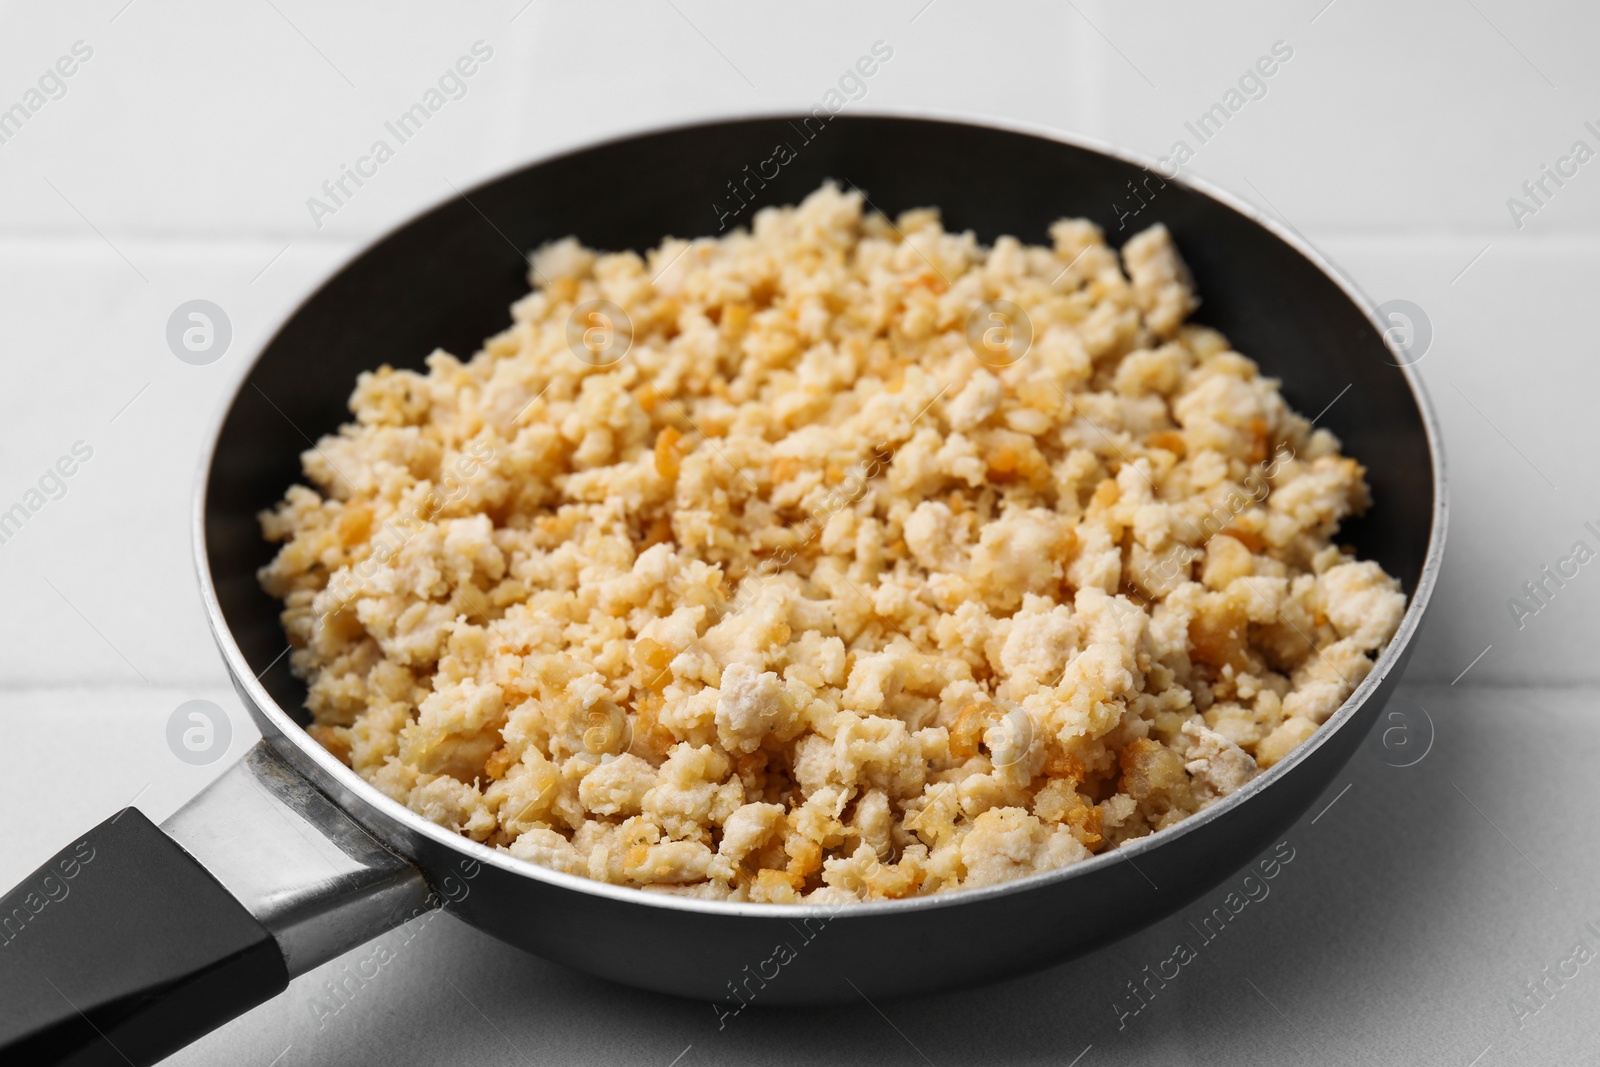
point(1512, 380)
point(195, 119)
point(216, 139)
point(116, 547)
point(1388, 117)
point(111, 743)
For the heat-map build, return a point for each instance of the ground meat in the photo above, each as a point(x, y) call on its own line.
point(792, 585)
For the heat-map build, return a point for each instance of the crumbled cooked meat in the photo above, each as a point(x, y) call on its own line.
point(800, 599)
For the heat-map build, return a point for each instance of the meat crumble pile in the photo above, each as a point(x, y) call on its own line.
point(797, 571)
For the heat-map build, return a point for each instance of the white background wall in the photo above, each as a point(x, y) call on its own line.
point(179, 161)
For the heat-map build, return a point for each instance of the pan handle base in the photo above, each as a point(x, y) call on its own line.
point(317, 881)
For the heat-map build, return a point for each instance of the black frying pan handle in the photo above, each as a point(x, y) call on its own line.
point(123, 948)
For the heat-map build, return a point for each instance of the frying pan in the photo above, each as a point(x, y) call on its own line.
point(136, 939)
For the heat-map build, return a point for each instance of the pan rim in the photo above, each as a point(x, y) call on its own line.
point(277, 725)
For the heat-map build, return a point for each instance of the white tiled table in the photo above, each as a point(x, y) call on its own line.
point(178, 163)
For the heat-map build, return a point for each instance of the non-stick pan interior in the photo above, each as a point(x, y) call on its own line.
point(446, 279)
